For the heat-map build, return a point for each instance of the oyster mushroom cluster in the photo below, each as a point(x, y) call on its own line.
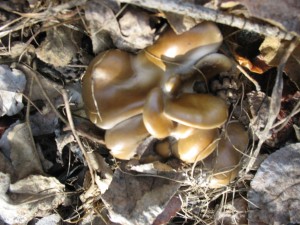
point(151, 93)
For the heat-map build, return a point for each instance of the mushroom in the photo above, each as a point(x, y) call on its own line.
point(225, 162)
point(203, 111)
point(213, 64)
point(182, 81)
point(115, 86)
point(196, 146)
point(124, 138)
point(157, 124)
point(186, 48)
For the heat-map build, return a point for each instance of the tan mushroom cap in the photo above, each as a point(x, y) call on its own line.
point(203, 111)
point(157, 124)
point(225, 165)
point(115, 86)
point(197, 146)
point(188, 47)
point(181, 131)
point(125, 137)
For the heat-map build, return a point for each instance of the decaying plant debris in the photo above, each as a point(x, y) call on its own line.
point(54, 165)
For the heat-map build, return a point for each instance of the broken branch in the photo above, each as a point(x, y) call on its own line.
point(200, 12)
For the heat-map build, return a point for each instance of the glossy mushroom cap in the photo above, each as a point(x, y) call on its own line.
point(115, 87)
point(225, 165)
point(197, 146)
point(185, 48)
point(213, 64)
point(157, 124)
point(124, 138)
point(203, 111)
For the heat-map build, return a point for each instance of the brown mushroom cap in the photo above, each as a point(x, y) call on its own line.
point(115, 86)
point(188, 47)
point(197, 146)
point(124, 138)
point(157, 124)
point(225, 165)
point(181, 131)
point(213, 64)
point(201, 111)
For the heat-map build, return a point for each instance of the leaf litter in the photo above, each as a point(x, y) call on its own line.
point(78, 179)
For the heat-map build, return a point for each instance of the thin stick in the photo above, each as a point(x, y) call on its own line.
point(200, 12)
point(27, 119)
point(71, 123)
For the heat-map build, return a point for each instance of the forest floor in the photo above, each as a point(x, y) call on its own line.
point(55, 164)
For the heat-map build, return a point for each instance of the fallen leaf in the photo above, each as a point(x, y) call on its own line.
point(172, 208)
point(59, 46)
point(12, 84)
point(274, 194)
point(53, 219)
point(18, 146)
point(131, 32)
point(135, 28)
point(139, 199)
point(100, 16)
point(182, 23)
point(292, 67)
point(50, 87)
point(30, 197)
point(5, 165)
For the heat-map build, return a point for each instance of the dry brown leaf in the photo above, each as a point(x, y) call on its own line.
point(133, 199)
point(272, 50)
point(59, 46)
point(28, 198)
point(274, 194)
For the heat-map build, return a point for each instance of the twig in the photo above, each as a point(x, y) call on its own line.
point(244, 72)
point(53, 11)
point(30, 71)
point(71, 123)
point(200, 12)
point(27, 119)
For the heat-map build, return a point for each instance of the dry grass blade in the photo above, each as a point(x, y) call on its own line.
point(275, 105)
